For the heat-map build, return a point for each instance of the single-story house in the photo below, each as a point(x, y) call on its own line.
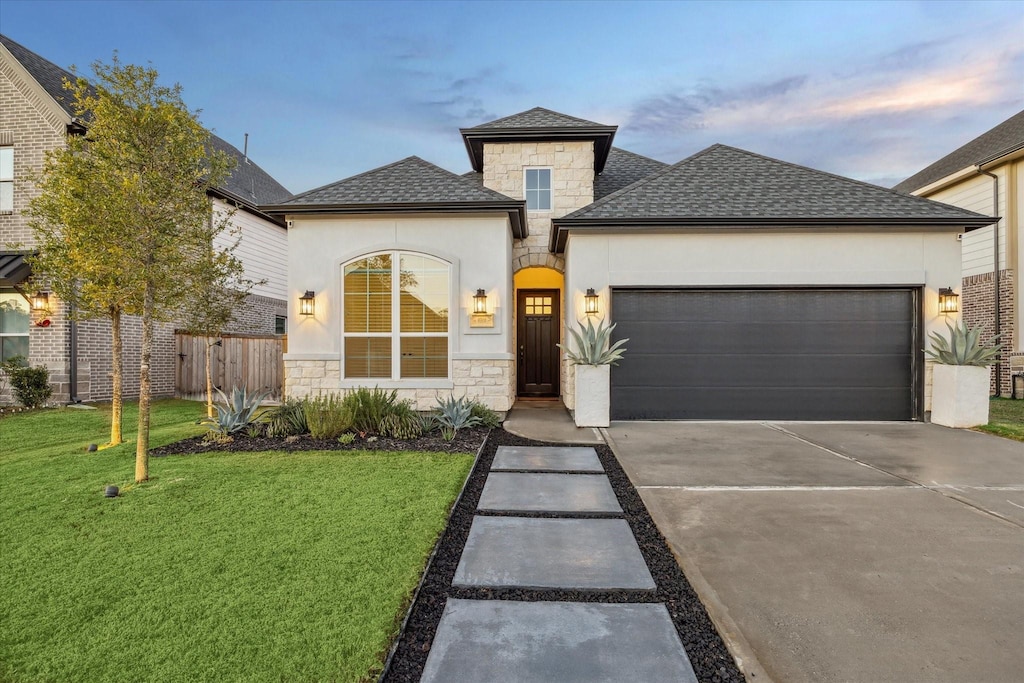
point(748, 287)
point(36, 116)
point(987, 175)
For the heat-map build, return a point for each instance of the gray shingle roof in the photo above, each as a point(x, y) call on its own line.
point(538, 117)
point(409, 185)
point(725, 186)
point(47, 74)
point(409, 181)
point(248, 182)
point(623, 168)
point(1008, 136)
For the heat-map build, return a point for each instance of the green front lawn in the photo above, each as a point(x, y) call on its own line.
point(225, 566)
point(1005, 418)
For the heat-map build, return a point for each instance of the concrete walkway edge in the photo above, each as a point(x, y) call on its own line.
point(741, 651)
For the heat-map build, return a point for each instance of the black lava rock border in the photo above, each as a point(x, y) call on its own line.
point(704, 646)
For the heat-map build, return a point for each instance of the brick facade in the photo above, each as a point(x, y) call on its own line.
point(30, 123)
point(978, 306)
point(491, 382)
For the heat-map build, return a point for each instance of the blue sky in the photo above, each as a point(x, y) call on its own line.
point(872, 90)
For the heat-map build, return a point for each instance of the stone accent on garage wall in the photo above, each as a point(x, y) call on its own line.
point(489, 381)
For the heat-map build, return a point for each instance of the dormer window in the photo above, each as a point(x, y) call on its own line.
point(538, 189)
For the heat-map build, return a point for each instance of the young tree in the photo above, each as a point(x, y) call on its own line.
point(218, 292)
point(136, 193)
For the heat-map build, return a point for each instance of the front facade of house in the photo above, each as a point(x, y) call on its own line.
point(749, 288)
point(34, 118)
point(986, 175)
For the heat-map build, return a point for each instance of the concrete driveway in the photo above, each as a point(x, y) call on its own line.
point(845, 552)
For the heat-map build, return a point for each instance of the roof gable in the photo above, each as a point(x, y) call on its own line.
point(1005, 138)
point(536, 118)
point(729, 187)
point(538, 125)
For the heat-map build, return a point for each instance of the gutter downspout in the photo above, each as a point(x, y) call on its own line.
point(995, 272)
point(73, 365)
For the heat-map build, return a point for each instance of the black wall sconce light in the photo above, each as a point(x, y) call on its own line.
point(306, 302)
point(949, 302)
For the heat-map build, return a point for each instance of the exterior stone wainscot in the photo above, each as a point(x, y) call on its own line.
point(491, 382)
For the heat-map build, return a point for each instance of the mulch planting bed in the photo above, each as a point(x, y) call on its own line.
point(466, 441)
point(710, 658)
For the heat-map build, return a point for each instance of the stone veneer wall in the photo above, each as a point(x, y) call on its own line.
point(489, 381)
point(572, 187)
point(978, 307)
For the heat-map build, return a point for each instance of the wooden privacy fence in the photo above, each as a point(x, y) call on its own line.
point(255, 362)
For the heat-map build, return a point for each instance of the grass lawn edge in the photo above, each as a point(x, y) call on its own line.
point(393, 646)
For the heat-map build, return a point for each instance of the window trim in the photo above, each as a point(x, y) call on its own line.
point(27, 334)
point(396, 334)
point(8, 181)
point(550, 188)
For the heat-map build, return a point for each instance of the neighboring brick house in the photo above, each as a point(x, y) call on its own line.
point(750, 288)
point(987, 175)
point(35, 116)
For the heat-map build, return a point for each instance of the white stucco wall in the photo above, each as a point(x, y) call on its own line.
point(479, 249)
point(777, 258)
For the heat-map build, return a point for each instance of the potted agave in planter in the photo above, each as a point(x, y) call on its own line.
point(592, 358)
point(960, 381)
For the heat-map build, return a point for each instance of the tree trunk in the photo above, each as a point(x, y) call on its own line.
point(209, 378)
point(145, 385)
point(117, 400)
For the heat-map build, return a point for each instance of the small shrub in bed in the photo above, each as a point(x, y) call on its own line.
point(327, 416)
point(401, 422)
point(488, 418)
point(287, 419)
point(368, 408)
point(31, 386)
point(346, 438)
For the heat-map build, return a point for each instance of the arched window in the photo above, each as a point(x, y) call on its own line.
point(396, 319)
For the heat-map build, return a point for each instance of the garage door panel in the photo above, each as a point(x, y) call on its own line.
point(730, 403)
point(766, 354)
point(739, 337)
point(760, 371)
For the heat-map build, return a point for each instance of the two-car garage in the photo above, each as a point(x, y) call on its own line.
point(757, 353)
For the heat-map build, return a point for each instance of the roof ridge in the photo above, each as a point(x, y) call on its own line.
point(637, 154)
point(488, 124)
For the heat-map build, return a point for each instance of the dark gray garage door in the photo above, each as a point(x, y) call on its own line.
point(795, 354)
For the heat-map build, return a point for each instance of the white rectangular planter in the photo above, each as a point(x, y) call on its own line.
point(960, 395)
point(593, 395)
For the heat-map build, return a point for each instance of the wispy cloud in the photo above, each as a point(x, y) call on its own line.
point(875, 120)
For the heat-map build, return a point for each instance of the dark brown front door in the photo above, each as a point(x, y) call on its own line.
point(537, 336)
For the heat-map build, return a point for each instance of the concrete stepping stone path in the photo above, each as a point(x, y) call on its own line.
point(548, 492)
point(530, 552)
point(515, 641)
point(546, 459)
point(568, 642)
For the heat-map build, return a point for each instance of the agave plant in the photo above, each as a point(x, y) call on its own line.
point(963, 347)
point(592, 345)
point(236, 412)
point(454, 414)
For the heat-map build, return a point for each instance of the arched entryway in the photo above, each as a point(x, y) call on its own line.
point(539, 303)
